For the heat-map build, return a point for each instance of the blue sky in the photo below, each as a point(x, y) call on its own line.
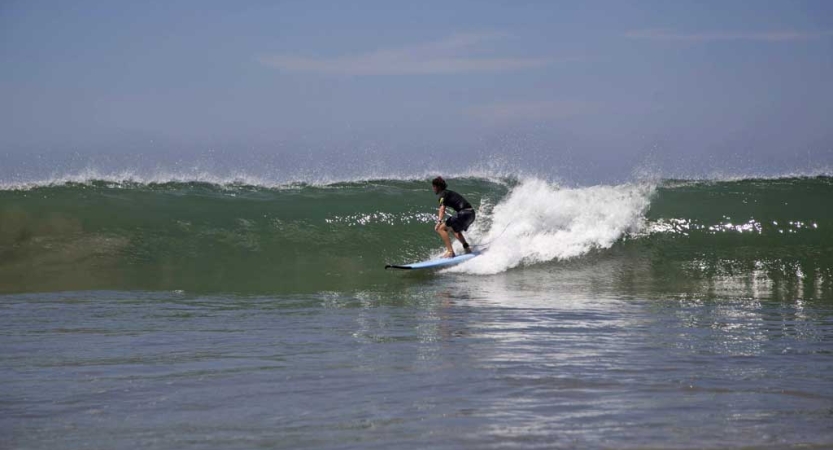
point(593, 88)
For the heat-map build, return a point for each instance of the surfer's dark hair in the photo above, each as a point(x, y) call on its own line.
point(439, 182)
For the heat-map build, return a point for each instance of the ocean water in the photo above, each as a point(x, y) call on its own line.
point(179, 313)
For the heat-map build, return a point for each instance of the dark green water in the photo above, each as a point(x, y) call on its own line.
point(303, 239)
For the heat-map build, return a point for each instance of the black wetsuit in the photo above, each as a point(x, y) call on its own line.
point(464, 212)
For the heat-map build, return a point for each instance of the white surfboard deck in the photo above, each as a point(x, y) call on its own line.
point(436, 263)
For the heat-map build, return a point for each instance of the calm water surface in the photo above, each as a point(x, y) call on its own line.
point(510, 361)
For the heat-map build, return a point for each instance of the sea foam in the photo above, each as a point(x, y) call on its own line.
point(540, 221)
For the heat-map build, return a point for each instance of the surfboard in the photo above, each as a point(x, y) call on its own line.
point(438, 263)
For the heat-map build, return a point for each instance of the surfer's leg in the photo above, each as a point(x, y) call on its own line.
point(462, 239)
point(443, 232)
point(461, 223)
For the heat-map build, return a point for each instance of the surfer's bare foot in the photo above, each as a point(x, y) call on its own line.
point(449, 255)
point(467, 250)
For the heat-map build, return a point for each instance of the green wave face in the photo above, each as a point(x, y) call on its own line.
point(768, 237)
point(205, 237)
point(671, 238)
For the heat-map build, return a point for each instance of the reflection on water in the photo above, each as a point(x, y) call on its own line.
point(685, 227)
point(576, 354)
point(553, 359)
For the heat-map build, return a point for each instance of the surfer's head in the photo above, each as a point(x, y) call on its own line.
point(439, 184)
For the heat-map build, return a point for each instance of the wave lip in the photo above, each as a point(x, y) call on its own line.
point(125, 178)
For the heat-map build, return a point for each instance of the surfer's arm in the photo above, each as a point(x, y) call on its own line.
point(440, 216)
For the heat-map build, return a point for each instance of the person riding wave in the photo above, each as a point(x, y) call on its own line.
point(458, 223)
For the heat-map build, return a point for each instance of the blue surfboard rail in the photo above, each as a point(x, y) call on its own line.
point(435, 263)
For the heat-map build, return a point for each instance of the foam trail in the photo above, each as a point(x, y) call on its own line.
point(539, 222)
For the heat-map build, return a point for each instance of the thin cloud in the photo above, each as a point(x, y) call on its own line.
point(767, 36)
point(536, 110)
point(452, 55)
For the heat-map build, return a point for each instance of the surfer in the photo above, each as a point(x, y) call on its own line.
point(459, 222)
